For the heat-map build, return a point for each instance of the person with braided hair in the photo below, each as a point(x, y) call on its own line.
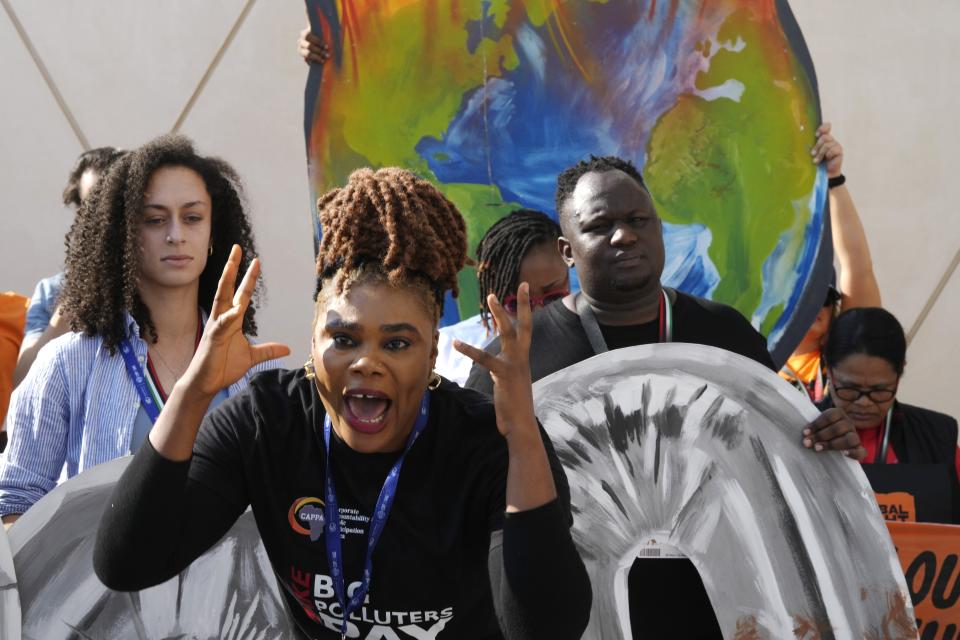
point(144, 256)
point(520, 247)
point(391, 503)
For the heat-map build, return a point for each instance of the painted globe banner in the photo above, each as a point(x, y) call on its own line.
point(715, 101)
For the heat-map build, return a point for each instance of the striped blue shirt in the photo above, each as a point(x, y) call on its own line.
point(75, 409)
point(42, 305)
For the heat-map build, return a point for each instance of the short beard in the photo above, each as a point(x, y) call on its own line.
point(621, 284)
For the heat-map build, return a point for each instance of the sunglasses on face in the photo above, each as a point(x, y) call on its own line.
point(853, 393)
point(510, 302)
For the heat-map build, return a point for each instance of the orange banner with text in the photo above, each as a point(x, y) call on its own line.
point(897, 506)
point(930, 555)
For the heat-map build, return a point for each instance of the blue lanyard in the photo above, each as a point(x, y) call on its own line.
point(136, 375)
point(377, 521)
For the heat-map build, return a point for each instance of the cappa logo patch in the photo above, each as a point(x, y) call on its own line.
point(306, 517)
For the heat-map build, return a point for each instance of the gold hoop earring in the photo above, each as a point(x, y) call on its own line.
point(309, 370)
point(434, 383)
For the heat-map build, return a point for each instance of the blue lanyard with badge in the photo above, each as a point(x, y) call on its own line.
point(139, 380)
point(151, 404)
point(377, 521)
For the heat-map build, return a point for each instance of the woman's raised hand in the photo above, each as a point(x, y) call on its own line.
point(224, 354)
point(510, 369)
point(529, 479)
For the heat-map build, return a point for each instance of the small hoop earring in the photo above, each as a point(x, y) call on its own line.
point(210, 252)
point(434, 383)
point(309, 370)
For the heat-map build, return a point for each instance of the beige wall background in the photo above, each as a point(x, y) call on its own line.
point(78, 73)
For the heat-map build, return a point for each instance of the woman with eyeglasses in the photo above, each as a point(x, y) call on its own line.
point(520, 247)
point(866, 354)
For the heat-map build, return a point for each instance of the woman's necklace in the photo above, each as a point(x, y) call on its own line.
point(174, 372)
point(177, 373)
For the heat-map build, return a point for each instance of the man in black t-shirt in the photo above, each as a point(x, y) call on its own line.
point(559, 339)
point(614, 237)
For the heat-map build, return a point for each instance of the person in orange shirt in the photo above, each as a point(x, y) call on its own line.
point(857, 285)
point(13, 314)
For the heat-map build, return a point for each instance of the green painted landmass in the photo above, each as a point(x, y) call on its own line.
point(481, 206)
point(413, 78)
point(723, 163)
point(770, 320)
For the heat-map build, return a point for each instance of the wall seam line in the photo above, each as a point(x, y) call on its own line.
point(188, 107)
point(47, 78)
point(934, 297)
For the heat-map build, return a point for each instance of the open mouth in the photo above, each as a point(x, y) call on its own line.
point(366, 410)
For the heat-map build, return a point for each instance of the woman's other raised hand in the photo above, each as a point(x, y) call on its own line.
point(224, 354)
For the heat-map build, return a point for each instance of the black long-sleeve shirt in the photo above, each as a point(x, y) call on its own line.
point(449, 564)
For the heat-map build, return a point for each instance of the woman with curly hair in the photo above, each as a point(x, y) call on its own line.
point(144, 256)
point(391, 503)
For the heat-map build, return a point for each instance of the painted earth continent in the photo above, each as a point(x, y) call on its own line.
point(715, 101)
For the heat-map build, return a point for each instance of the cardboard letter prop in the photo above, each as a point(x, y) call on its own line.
point(700, 448)
point(229, 592)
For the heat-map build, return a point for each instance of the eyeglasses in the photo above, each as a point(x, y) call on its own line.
point(510, 302)
point(852, 393)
